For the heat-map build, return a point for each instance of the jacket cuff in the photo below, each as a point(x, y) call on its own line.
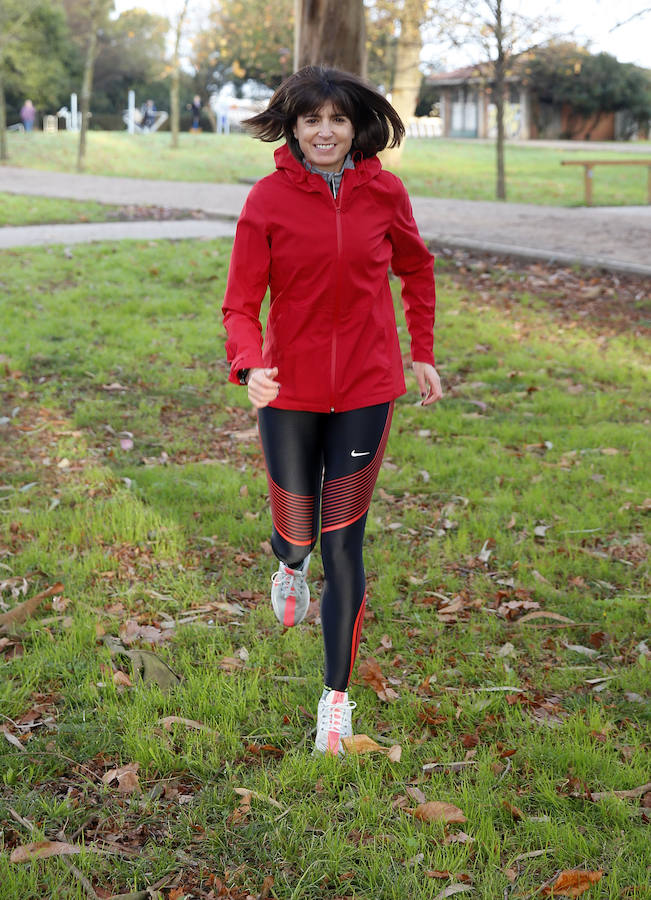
point(243, 362)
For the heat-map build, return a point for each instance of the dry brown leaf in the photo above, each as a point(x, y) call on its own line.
point(395, 752)
point(13, 739)
point(459, 838)
point(437, 811)
point(168, 721)
point(42, 849)
point(126, 776)
point(267, 884)
point(371, 674)
point(514, 810)
point(121, 678)
point(231, 664)
point(28, 607)
point(453, 889)
point(361, 743)
point(543, 614)
point(416, 794)
point(572, 883)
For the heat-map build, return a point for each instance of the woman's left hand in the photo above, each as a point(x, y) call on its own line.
point(429, 382)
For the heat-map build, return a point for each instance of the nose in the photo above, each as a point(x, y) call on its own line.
point(326, 128)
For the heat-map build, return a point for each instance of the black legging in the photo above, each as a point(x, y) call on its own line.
point(327, 460)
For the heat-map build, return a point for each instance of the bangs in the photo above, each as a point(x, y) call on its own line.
point(312, 99)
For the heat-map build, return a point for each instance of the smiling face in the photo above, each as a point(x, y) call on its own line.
point(325, 137)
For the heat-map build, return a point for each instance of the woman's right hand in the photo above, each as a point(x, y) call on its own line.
point(262, 386)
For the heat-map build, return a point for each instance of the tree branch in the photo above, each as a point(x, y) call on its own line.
point(637, 15)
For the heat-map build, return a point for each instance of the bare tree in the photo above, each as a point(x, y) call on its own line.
point(176, 75)
point(96, 16)
point(331, 33)
point(502, 34)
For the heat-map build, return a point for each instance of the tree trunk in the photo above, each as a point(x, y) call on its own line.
point(175, 107)
point(332, 33)
point(4, 152)
point(408, 77)
point(86, 88)
point(500, 86)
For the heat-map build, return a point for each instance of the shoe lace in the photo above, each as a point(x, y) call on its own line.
point(285, 579)
point(334, 714)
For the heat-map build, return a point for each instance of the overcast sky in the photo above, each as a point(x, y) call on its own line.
point(591, 21)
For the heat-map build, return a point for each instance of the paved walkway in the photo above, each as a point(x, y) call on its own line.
point(617, 238)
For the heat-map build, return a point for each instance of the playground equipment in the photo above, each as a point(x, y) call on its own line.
point(134, 118)
point(72, 116)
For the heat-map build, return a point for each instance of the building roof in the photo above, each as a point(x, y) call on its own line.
point(477, 74)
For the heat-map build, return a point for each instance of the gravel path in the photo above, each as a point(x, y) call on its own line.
point(616, 238)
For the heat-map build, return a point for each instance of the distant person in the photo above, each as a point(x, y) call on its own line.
point(148, 114)
point(322, 231)
point(195, 107)
point(27, 115)
point(223, 125)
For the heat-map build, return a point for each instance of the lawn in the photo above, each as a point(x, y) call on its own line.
point(430, 167)
point(505, 651)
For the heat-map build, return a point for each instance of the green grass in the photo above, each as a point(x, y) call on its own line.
point(18, 209)
point(123, 341)
point(429, 167)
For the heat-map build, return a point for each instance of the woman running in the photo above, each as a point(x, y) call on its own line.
point(321, 233)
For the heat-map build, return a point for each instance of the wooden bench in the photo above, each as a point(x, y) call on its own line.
point(588, 165)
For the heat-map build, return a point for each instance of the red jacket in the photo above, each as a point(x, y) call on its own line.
point(331, 327)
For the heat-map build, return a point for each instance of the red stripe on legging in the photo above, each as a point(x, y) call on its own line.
point(292, 514)
point(357, 634)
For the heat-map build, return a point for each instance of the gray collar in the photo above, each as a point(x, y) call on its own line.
point(332, 179)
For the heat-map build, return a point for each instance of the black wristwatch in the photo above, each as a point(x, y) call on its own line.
point(243, 375)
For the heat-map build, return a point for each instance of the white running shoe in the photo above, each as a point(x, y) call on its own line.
point(334, 722)
point(290, 595)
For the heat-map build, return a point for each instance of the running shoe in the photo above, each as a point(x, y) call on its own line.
point(290, 595)
point(334, 722)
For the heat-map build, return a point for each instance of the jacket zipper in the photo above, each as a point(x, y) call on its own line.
point(335, 318)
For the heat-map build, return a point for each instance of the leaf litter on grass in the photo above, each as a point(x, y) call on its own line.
point(439, 712)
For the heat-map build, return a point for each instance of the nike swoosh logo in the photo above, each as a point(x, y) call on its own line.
point(360, 453)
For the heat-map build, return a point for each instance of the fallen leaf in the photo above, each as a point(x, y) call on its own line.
point(231, 664)
point(543, 614)
point(360, 743)
point(168, 721)
point(43, 849)
point(453, 889)
point(437, 811)
point(371, 674)
point(514, 810)
point(126, 776)
point(28, 607)
point(395, 752)
point(267, 884)
point(146, 664)
point(578, 648)
point(13, 739)
point(416, 794)
point(572, 883)
point(121, 678)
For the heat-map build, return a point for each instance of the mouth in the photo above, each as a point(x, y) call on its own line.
point(323, 146)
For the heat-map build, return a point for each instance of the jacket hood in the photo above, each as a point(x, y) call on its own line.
point(365, 169)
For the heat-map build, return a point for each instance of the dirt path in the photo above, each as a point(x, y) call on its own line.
point(616, 238)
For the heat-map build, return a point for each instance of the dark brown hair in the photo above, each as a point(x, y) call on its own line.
point(374, 119)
